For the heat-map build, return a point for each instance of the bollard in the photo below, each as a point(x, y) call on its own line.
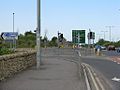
point(94, 50)
point(98, 52)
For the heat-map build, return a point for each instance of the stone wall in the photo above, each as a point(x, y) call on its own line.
point(14, 63)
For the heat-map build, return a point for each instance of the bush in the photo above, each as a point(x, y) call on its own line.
point(5, 51)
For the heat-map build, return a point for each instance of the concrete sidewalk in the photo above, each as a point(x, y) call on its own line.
point(57, 73)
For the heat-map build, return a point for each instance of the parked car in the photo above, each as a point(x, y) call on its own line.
point(98, 47)
point(103, 48)
point(118, 50)
point(111, 47)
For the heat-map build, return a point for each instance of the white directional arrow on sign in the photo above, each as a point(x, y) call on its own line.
point(2, 35)
point(9, 35)
point(116, 79)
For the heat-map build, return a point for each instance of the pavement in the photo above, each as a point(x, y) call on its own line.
point(58, 72)
point(113, 56)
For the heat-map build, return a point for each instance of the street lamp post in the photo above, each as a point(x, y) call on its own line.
point(13, 32)
point(38, 33)
point(13, 21)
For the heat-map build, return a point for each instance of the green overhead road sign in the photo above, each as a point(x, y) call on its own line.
point(78, 36)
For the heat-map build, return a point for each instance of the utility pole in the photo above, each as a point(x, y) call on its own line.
point(99, 36)
point(110, 27)
point(104, 33)
point(38, 33)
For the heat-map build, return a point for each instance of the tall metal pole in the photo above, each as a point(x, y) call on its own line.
point(110, 27)
point(38, 33)
point(13, 32)
point(99, 36)
point(89, 40)
point(58, 39)
point(13, 21)
point(104, 34)
point(78, 39)
point(45, 38)
point(110, 33)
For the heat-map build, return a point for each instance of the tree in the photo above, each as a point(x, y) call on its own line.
point(53, 42)
point(27, 41)
point(103, 42)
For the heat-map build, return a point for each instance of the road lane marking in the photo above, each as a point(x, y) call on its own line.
point(118, 63)
point(86, 78)
point(95, 80)
point(79, 53)
point(116, 79)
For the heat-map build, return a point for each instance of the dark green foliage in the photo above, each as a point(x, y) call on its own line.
point(5, 51)
point(102, 42)
point(53, 42)
point(27, 41)
point(107, 43)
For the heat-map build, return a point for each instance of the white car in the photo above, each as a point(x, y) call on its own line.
point(103, 48)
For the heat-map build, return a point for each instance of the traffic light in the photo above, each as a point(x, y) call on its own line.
point(91, 34)
point(61, 36)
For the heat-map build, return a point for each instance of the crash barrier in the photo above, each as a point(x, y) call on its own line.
point(14, 63)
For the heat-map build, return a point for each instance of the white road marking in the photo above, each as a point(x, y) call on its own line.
point(79, 53)
point(116, 79)
point(118, 63)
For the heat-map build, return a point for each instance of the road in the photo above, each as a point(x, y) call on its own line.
point(111, 53)
point(105, 67)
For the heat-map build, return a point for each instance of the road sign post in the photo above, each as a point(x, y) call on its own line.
point(11, 37)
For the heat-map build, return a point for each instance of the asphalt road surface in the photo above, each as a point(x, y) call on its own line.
point(111, 53)
point(106, 68)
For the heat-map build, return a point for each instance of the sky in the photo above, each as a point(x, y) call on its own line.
point(63, 16)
